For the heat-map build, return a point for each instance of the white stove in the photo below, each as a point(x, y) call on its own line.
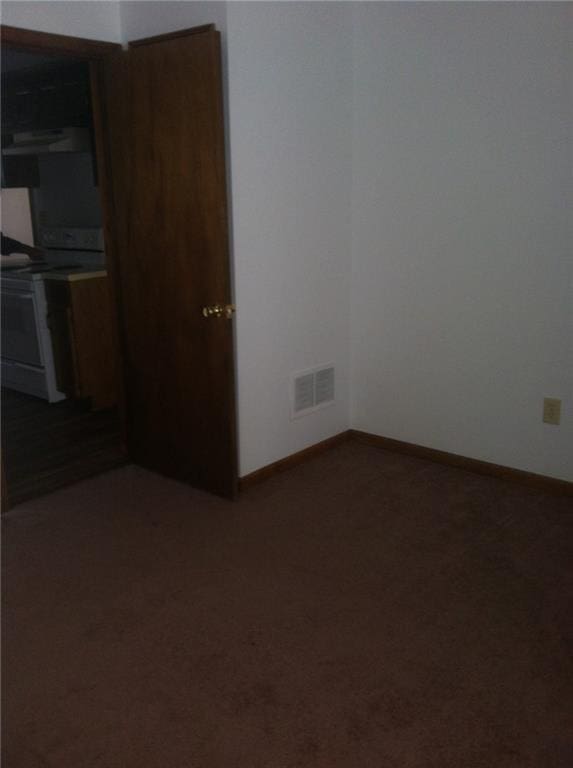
point(27, 353)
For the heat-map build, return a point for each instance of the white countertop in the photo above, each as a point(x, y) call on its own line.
point(70, 274)
point(75, 274)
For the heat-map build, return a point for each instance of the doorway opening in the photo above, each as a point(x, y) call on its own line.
point(60, 392)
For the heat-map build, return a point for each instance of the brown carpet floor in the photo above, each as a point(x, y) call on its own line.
point(364, 609)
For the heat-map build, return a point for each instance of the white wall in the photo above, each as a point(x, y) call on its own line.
point(16, 214)
point(462, 242)
point(97, 20)
point(290, 121)
point(144, 18)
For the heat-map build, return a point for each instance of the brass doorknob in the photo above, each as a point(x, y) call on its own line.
point(219, 310)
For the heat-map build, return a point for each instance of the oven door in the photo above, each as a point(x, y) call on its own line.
point(20, 338)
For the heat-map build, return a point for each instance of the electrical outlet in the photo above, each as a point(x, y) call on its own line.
point(551, 410)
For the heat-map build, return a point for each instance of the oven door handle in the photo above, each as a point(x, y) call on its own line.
point(18, 295)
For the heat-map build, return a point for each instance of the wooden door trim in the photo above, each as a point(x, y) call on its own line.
point(292, 460)
point(541, 482)
point(5, 502)
point(64, 45)
point(105, 171)
point(172, 35)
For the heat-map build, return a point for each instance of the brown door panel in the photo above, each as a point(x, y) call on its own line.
point(164, 106)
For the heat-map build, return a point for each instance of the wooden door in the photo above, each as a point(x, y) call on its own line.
point(167, 169)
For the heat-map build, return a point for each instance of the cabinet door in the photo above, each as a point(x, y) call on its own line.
point(19, 107)
point(80, 321)
point(20, 171)
point(60, 325)
point(91, 321)
point(53, 98)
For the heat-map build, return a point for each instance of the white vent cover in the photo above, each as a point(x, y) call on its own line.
point(304, 392)
point(312, 389)
point(324, 386)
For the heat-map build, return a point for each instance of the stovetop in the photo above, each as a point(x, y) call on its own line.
point(40, 266)
point(67, 251)
point(35, 271)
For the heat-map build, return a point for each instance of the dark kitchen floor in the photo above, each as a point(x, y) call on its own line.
point(50, 445)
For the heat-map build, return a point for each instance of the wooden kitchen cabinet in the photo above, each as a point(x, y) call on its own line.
point(52, 97)
point(80, 321)
point(20, 171)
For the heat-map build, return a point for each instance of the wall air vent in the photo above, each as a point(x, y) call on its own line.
point(312, 389)
point(304, 392)
point(324, 386)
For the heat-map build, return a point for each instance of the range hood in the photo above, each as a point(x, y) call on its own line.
point(47, 141)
